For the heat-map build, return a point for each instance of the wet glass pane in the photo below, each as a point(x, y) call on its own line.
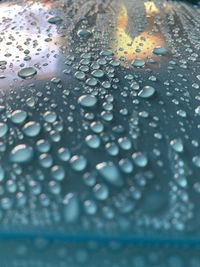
point(100, 129)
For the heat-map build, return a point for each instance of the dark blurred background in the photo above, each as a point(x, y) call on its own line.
point(197, 2)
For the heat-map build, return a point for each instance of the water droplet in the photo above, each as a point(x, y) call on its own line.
point(93, 141)
point(196, 161)
point(177, 145)
point(126, 165)
point(110, 173)
point(97, 127)
point(43, 146)
point(160, 51)
point(140, 159)
point(78, 162)
point(147, 92)
point(71, 208)
point(84, 33)
point(87, 101)
point(54, 187)
point(80, 75)
point(98, 73)
point(64, 154)
point(27, 73)
point(32, 128)
point(18, 116)
point(55, 20)
point(101, 191)
point(21, 153)
point(197, 110)
point(138, 63)
point(50, 116)
point(58, 172)
point(3, 129)
point(89, 179)
point(91, 81)
point(6, 203)
point(90, 207)
point(125, 143)
point(112, 149)
point(45, 160)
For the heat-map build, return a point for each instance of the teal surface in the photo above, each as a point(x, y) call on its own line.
point(99, 133)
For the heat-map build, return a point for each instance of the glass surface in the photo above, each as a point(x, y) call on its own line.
point(99, 127)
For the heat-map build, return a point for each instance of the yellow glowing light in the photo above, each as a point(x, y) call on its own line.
point(142, 45)
point(151, 8)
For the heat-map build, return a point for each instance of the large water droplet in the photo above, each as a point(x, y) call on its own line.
point(21, 153)
point(160, 51)
point(80, 75)
point(71, 208)
point(101, 191)
point(32, 128)
point(138, 63)
point(126, 165)
point(140, 159)
point(87, 101)
point(177, 145)
point(43, 146)
point(55, 20)
point(58, 172)
point(98, 73)
point(90, 207)
point(27, 73)
point(50, 116)
point(64, 154)
point(18, 116)
point(46, 160)
point(110, 173)
point(147, 92)
point(93, 141)
point(78, 162)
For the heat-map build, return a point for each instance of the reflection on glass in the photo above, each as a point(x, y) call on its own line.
point(142, 45)
point(26, 38)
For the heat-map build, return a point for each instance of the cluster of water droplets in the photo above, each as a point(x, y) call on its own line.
point(105, 143)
